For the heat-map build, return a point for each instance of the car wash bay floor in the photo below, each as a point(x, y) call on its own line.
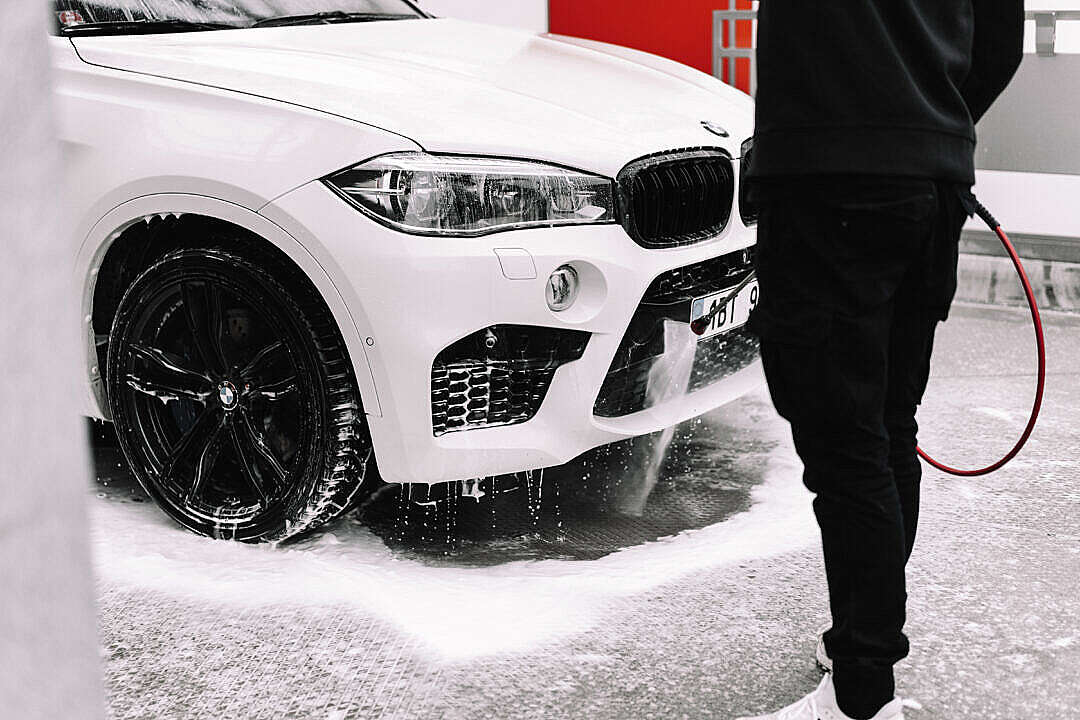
point(705, 607)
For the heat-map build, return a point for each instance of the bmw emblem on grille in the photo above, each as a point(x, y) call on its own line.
point(714, 128)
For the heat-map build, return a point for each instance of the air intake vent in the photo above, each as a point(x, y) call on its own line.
point(498, 376)
point(676, 198)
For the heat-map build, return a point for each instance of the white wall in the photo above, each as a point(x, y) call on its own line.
point(525, 14)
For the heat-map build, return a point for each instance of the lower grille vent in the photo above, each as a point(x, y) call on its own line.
point(625, 389)
point(498, 376)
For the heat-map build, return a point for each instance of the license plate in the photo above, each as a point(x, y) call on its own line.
point(733, 314)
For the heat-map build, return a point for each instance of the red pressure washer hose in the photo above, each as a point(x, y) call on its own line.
point(994, 225)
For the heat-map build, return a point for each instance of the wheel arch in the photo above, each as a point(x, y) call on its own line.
point(115, 244)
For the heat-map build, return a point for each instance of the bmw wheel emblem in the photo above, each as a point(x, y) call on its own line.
point(227, 395)
point(714, 128)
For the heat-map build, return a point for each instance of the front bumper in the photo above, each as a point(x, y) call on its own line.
point(411, 297)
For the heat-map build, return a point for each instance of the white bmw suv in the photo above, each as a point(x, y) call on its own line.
point(316, 234)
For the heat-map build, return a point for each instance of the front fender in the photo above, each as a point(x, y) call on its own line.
point(103, 233)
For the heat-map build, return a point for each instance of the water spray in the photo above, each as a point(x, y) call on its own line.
point(700, 325)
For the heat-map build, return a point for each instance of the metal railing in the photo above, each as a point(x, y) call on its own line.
point(1046, 28)
point(724, 45)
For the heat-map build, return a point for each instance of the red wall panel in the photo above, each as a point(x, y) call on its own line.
point(677, 29)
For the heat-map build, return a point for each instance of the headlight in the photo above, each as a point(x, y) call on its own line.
point(453, 195)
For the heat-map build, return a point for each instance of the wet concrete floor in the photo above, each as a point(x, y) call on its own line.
point(548, 603)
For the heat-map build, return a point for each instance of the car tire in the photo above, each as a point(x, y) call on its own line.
point(233, 396)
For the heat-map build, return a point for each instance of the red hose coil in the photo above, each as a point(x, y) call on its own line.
point(1041, 344)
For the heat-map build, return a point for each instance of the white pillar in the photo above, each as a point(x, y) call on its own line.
point(49, 657)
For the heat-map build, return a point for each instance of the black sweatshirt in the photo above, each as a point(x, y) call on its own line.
point(880, 87)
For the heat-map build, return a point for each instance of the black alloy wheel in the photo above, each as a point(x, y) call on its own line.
point(234, 399)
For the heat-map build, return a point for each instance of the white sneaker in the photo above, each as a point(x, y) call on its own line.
point(821, 705)
point(821, 655)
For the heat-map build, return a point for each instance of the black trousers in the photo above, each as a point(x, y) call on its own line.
point(855, 274)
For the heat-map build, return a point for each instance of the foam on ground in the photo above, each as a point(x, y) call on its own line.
point(460, 612)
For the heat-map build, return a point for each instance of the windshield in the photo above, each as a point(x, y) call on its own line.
point(225, 13)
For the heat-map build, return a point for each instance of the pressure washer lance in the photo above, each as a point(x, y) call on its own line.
point(700, 325)
point(973, 206)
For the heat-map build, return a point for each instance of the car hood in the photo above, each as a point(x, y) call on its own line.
point(453, 86)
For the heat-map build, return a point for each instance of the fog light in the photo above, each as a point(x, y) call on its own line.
point(562, 288)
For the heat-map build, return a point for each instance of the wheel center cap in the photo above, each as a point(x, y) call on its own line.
point(227, 395)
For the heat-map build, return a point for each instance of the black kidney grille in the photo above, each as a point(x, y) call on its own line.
point(677, 198)
point(747, 208)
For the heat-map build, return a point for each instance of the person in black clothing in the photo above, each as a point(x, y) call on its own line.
point(863, 157)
